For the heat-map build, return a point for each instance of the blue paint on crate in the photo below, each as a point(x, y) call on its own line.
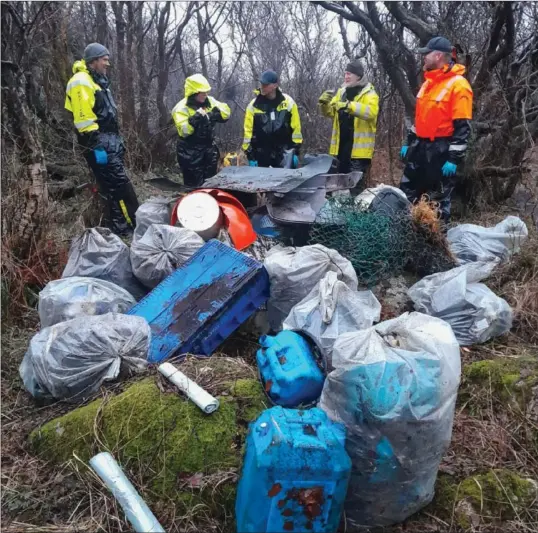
point(203, 302)
point(295, 473)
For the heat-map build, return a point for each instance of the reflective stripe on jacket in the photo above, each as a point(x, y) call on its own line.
point(90, 101)
point(365, 108)
point(445, 96)
point(279, 127)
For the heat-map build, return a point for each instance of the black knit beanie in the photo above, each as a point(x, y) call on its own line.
point(355, 67)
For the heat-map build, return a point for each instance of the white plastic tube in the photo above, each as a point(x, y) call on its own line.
point(207, 403)
point(135, 508)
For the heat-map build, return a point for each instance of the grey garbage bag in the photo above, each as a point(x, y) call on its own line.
point(394, 387)
point(99, 253)
point(162, 250)
point(475, 313)
point(470, 243)
point(72, 359)
point(65, 299)
point(152, 211)
point(293, 273)
point(332, 309)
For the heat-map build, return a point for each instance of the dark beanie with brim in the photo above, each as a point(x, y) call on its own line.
point(355, 67)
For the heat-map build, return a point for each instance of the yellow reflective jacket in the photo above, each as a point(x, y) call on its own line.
point(90, 101)
point(187, 107)
point(365, 108)
point(266, 126)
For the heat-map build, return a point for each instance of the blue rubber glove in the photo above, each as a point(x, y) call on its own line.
point(403, 151)
point(449, 169)
point(253, 163)
point(101, 157)
point(295, 162)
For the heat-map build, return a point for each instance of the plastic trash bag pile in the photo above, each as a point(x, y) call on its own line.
point(65, 299)
point(475, 313)
point(293, 273)
point(469, 242)
point(72, 359)
point(394, 387)
point(161, 250)
point(331, 309)
point(99, 253)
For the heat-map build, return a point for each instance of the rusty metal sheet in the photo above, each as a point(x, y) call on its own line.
point(258, 179)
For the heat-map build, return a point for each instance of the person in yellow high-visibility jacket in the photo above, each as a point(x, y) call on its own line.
point(272, 125)
point(195, 117)
point(95, 117)
point(354, 109)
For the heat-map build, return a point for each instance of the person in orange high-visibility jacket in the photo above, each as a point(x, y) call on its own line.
point(437, 142)
point(95, 118)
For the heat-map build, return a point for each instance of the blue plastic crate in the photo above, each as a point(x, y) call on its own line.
point(288, 369)
point(295, 473)
point(203, 302)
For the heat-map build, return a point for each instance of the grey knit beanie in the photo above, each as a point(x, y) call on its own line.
point(95, 51)
point(355, 67)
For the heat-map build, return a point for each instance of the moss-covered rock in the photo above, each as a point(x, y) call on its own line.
point(159, 436)
point(509, 380)
point(494, 496)
point(251, 402)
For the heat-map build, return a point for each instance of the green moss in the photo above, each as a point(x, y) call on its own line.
point(509, 380)
point(251, 398)
point(162, 437)
point(70, 434)
point(496, 495)
point(169, 435)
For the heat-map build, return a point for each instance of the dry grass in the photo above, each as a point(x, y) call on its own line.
point(517, 282)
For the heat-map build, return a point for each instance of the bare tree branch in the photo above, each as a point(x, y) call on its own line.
point(419, 27)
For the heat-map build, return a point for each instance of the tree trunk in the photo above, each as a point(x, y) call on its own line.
point(28, 222)
point(101, 24)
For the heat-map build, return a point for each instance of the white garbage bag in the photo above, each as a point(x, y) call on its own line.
point(330, 310)
point(394, 387)
point(162, 250)
point(470, 243)
point(293, 273)
point(152, 211)
point(65, 299)
point(72, 359)
point(475, 313)
point(99, 253)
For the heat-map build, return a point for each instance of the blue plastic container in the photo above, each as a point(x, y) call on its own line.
point(295, 473)
point(203, 302)
point(288, 369)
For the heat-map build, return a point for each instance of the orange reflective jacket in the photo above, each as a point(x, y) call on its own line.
point(445, 96)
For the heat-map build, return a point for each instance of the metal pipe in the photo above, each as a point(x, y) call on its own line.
point(207, 403)
point(135, 508)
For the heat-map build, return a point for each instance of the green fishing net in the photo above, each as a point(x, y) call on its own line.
point(379, 245)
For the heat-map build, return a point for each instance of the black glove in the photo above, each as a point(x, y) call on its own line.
point(215, 115)
point(196, 119)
